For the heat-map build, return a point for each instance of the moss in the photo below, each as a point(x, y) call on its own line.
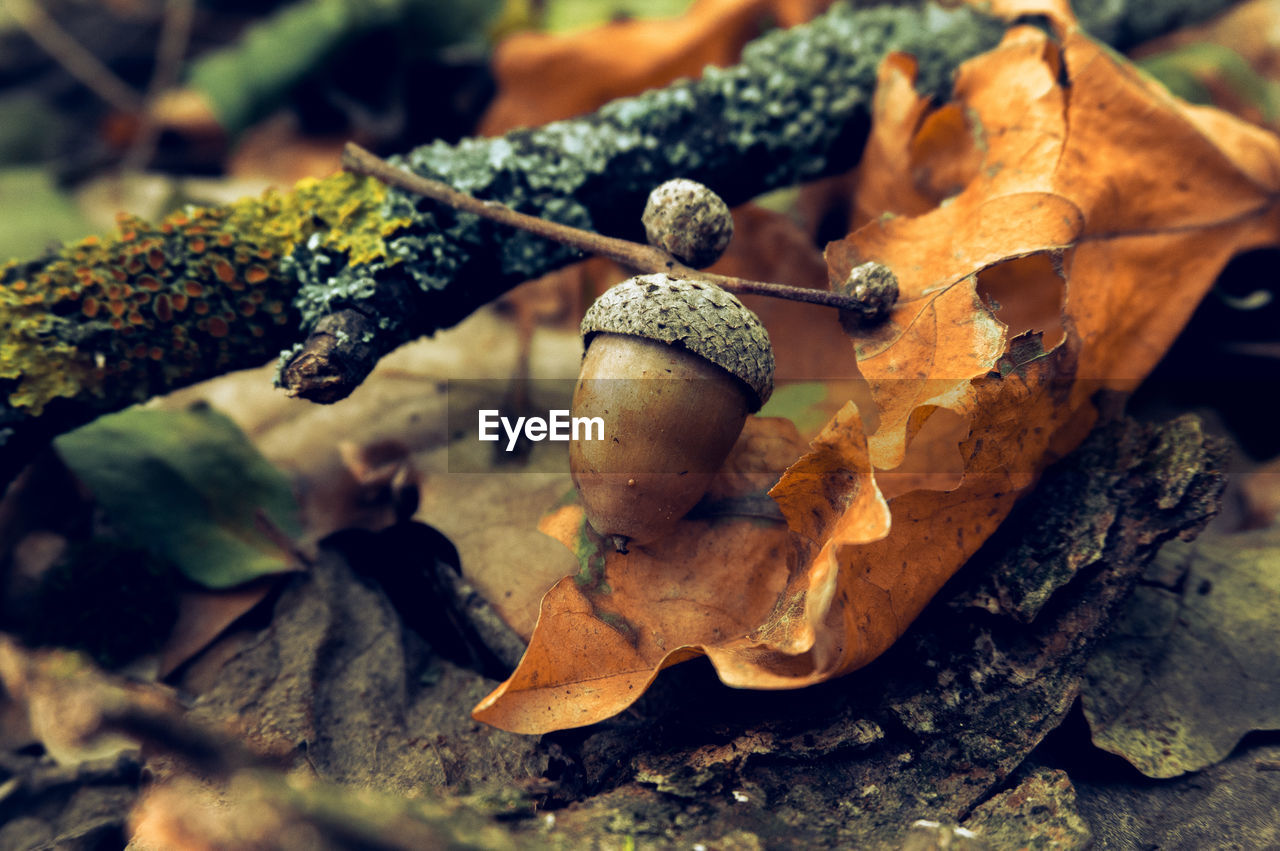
point(158, 304)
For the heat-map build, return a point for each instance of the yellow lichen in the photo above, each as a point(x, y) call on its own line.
point(344, 208)
point(186, 289)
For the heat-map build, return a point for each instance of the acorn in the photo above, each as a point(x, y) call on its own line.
point(672, 367)
point(689, 221)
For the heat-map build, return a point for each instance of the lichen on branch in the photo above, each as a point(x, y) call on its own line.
point(157, 305)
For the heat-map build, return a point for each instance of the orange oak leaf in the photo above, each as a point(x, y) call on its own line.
point(1093, 211)
point(544, 77)
point(605, 633)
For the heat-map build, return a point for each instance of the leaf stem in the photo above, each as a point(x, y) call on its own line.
point(633, 255)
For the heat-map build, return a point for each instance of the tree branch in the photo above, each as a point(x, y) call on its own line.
point(646, 259)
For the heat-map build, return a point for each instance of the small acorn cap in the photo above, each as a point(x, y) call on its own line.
point(695, 315)
point(875, 286)
point(689, 221)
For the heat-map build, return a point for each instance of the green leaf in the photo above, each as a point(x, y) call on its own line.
point(187, 485)
point(570, 15)
point(1194, 661)
point(1188, 70)
point(246, 80)
point(802, 403)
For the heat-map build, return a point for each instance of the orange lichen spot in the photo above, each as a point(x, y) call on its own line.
point(179, 302)
point(237, 285)
point(200, 307)
point(149, 282)
point(196, 229)
point(257, 296)
point(155, 259)
point(246, 307)
point(156, 353)
point(166, 227)
point(92, 239)
point(179, 219)
point(225, 239)
point(257, 330)
point(264, 253)
point(134, 266)
point(135, 318)
point(224, 270)
point(276, 307)
point(34, 298)
point(18, 286)
point(242, 257)
point(128, 235)
point(126, 291)
point(141, 297)
point(116, 307)
point(193, 288)
point(89, 307)
point(112, 292)
point(163, 308)
point(256, 274)
point(119, 274)
point(118, 324)
point(218, 327)
point(196, 246)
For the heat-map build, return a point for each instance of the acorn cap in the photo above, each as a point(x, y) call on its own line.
point(689, 221)
point(696, 315)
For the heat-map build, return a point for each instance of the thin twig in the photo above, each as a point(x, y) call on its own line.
point(633, 255)
point(175, 36)
point(72, 55)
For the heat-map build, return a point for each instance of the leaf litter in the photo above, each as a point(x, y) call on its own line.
point(837, 500)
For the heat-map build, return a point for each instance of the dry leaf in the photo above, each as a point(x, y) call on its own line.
point(203, 615)
point(605, 632)
point(1096, 213)
point(405, 401)
point(544, 77)
point(67, 700)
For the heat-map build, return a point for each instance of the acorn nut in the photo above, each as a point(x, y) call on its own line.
point(673, 367)
point(688, 221)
